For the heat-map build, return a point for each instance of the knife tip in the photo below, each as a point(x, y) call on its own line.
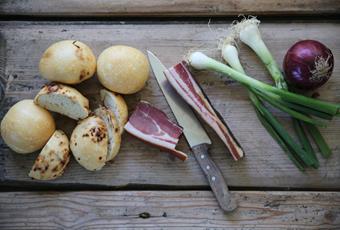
point(150, 53)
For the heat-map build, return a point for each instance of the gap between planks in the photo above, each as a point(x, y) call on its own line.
point(15, 186)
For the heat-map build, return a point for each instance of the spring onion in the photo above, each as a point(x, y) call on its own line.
point(272, 125)
point(311, 58)
point(302, 136)
point(290, 111)
point(306, 158)
point(248, 32)
point(319, 140)
point(200, 61)
point(280, 141)
point(298, 108)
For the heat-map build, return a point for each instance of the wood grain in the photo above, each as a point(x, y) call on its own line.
point(168, 210)
point(77, 8)
point(265, 164)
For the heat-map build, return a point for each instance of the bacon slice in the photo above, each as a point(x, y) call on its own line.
point(153, 126)
point(185, 85)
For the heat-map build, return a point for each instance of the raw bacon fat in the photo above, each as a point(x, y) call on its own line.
point(185, 85)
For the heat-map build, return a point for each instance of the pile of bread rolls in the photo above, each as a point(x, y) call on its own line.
point(29, 125)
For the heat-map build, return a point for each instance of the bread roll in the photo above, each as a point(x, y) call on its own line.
point(53, 158)
point(113, 131)
point(117, 105)
point(89, 143)
point(64, 100)
point(27, 127)
point(122, 69)
point(68, 61)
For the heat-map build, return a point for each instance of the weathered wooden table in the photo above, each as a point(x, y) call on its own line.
point(144, 187)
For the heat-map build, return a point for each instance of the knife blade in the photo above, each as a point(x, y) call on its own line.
point(195, 135)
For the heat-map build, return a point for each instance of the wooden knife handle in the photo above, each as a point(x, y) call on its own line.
point(215, 177)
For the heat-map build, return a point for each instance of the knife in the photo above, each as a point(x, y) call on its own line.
point(195, 135)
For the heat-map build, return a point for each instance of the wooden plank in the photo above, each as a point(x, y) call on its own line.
point(167, 8)
point(158, 210)
point(265, 164)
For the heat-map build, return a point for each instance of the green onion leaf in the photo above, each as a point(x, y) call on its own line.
point(302, 136)
point(293, 113)
point(201, 61)
point(280, 141)
point(285, 136)
point(319, 140)
point(307, 110)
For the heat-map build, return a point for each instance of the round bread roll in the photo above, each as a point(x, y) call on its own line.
point(89, 143)
point(53, 158)
point(26, 127)
point(122, 69)
point(68, 61)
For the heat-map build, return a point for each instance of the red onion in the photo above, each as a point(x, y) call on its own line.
point(308, 65)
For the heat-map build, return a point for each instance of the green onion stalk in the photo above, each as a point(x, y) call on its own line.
point(248, 32)
point(200, 61)
point(295, 153)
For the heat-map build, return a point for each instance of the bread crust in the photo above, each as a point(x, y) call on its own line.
point(68, 61)
point(53, 158)
point(65, 93)
point(27, 127)
point(89, 143)
point(113, 131)
point(123, 69)
point(117, 105)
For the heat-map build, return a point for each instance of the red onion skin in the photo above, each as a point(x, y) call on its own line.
point(299, 65)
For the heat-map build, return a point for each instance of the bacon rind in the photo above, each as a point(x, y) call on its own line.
point(183, 82)
point(167, 136)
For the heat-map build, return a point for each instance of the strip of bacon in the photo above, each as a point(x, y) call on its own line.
point(186, 86)
point(153, 126)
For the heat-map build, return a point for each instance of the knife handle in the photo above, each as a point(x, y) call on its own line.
point(215, 177)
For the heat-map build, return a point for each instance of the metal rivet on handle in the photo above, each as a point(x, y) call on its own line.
point(208, 167)
point(202, 156)
point(213, 178)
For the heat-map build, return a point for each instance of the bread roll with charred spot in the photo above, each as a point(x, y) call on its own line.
point(89, 143)
point(64, 100)
point(53, 158)
point(114, 136)
point(67, 61)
